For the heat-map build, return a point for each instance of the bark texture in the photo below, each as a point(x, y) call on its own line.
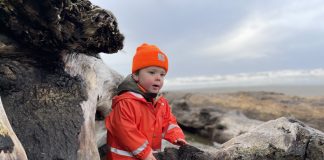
point(43, 105)
point(10, 146)
point(56, 25)
point(43, 101)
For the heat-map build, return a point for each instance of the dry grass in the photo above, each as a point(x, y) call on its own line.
point(261, 105)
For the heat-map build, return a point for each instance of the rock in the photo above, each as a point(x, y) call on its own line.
point(212, 122)
point(280, 139)
point(283, 138)
point(232, 124)
point(186, 152)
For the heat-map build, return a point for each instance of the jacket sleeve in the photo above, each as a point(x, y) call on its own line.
point(122, 126)
point(171, 130)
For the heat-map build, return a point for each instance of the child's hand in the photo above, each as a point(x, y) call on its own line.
point(180, 142)
point(150, 156)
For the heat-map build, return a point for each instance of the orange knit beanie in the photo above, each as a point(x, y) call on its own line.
point(149, 55)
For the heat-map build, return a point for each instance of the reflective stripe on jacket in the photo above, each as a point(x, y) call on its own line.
point(135, 126)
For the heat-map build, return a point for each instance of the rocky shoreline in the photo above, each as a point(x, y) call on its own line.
point(252, 125)
point(258, 105)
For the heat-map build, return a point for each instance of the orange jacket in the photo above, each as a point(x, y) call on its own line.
point(135, 126)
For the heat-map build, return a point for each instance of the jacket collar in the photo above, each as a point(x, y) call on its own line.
point(129, 84)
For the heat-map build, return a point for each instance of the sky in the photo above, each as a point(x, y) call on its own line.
point(225, 43)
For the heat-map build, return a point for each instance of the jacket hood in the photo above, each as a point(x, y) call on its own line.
point(129, 84)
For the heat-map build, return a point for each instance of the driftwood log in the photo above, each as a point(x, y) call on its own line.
point(52, 80)
point(10, 146)
point(62, 25)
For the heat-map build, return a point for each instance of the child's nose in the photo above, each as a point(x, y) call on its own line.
point(158, 77)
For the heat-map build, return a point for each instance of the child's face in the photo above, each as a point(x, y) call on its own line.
point(151, 78)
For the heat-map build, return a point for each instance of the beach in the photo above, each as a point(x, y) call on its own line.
point(292, 90)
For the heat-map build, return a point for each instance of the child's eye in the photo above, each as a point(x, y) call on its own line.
point(162, 74)
point(151, 72)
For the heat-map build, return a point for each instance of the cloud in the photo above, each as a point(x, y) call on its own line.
point(281, 77)
point(222, 37)
point(263, 31)
point(246, 42)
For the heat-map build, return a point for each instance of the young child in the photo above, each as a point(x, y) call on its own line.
point(140, 118)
